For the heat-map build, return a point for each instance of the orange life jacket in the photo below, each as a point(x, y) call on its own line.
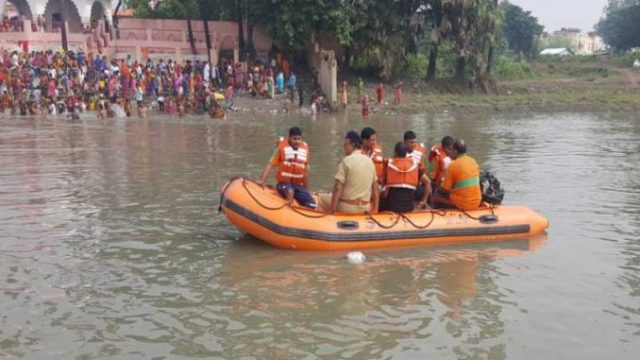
point(377, 157)
point(292, 167)
point(418, 155)
point(402, 173)
point(437, 157)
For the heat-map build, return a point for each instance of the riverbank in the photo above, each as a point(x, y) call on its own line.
point(555, 85)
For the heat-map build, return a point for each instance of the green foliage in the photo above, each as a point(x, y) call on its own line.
point(508, 68)
point(520, 30)
point(626, 59)
point(620, 25)
point(416, 66)
point(382, 37)
point(166, 9)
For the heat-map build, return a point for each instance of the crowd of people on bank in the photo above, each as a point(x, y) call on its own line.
point(414, 177)
point(54, 83)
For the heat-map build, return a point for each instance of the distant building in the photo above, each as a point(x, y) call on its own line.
point(556, 52)
point(583, 44)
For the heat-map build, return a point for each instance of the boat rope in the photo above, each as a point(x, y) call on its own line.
point(298, 211)
point(407, 219)
point(244, 185)
point(491, 208)
point(370, 217)
point(294, 208)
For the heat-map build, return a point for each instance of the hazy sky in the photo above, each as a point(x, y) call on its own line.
point(555, 14)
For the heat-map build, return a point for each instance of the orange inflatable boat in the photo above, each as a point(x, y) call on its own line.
point(265, 215)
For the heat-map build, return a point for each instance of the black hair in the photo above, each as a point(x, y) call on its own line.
point(409, 135)
point(399, 150)
point(366, 133)
point(295, 131)
point(354, 139)
point(460, 146)
point(447, 141)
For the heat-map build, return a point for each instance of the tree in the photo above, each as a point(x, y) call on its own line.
point(521, 30)
point(620, 25)
point(471, 26)
point(434, 17)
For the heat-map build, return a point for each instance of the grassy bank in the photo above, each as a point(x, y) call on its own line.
point(551, 84)
point(574, 84)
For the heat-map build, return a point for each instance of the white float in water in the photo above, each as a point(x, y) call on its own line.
point(356, 257)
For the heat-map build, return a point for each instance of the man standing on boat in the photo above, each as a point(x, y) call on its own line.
point(461, 186)
point(356, 189)
point(291, 157)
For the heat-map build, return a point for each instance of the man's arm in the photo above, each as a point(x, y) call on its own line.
point(265, 173)
point(335, 197)
point(375, 197)
point(274, 160)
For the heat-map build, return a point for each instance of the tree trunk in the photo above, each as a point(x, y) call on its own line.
point(432, 68)
point(490, 57)
point(460, 68)
point(192, 41)
point(207, 37)
point(240, 18)
point(251, 50)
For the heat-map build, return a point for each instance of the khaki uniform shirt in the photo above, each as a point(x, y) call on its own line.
point(357, 174)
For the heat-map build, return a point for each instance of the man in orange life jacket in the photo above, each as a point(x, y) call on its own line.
point(418, 153)
point(402, 177)
point(292, 160)
point(373, 150)
point(439, 160)
point(461, 186)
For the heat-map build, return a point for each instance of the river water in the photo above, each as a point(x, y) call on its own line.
point(111, 246)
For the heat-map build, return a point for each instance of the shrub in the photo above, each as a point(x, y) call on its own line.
point(416, 66)
point(508, 68)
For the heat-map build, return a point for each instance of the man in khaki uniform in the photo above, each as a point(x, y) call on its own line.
point(356, 190)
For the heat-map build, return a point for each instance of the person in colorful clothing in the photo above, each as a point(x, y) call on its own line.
point(461, 186)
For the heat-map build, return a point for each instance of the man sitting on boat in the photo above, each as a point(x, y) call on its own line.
point(402, 177)
point(418, 153)
point(461, 186)
point(291, 157)
point(356, 190)
point(439, 161)
point(373, 150)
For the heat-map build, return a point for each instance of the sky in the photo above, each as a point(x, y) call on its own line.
point(556, 14)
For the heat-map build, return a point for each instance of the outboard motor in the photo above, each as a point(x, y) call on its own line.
point(492, 192)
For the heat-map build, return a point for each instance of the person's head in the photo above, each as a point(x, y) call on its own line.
point(399, 151)
point(460, 147)
point(295, 137)
point(447, 145)
point(352, 142)
point(410, 140)
point(369, 138)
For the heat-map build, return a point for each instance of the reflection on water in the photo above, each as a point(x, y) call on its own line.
point(110, 246)
point(303, 301)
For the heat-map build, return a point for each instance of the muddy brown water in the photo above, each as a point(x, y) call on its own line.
point(111, 247)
